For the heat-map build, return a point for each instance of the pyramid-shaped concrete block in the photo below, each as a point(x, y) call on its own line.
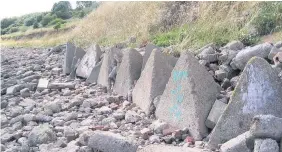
point(129, 71)
point(148, 49)
point(153, 79)
point(78, 55)
point(107, 66)
point(89, 61)
point(258, 91)
point(69, 54)
point(188, 97)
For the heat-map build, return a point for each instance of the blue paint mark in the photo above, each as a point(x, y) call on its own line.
point(175, 111)
point(177, 90)
point(180, 98)
point(178, 75)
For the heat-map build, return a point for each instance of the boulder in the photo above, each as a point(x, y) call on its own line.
point(14, 89)
point(266, 126)
point(241, 59)
point(109, 142)
point(78, 55)
point(89, 61)
point(266, 145)
point(148, 49)
point(242, 143)
point(108, 65)
point(258, 91)
point(216, 111)
point(153, 79)
point(278, 44)
point(188, 97)
point(41, 134)
point(278, 60)
point(93, 77)
point(234, 45)
point(68, 57)
point(273, 52)
point(129, 71)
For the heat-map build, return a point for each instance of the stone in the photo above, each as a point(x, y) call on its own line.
point(104, 110)
point(146, 132)
point(14, 89)
point(159, 126)
point(25, 92)
point(84, 137)
point(167, 148)
point(278, 60)
point(266, 145)
point(100, 141)
point(78, 56)
point(153, 79)
point(89, 61)
point(154, 139)
point(107, 66)
point(93, 77)
point(234, 45)
point(273, 52)
point(70, 134)
point(68, 58)
point(226, 56)
point(54, 106)
point(58, 85)
point(41, 134)
point(132, 116)
point(129, 71)
point(209, 57)
point(278, 44)
point(242, 143)
point(148, 49)
point(42, 84)
point(258, 91)
point(261, 50)
point(216, 111)
point(266, 126)
point(189, 104)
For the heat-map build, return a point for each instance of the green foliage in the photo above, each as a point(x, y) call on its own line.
point(62, 9)
point(39, 18)
point(23, 28)
point(13, 29)
point(57, 26)
point(47, 19)
point(168, 38)
point(81, 14)
point(29, 21)
point(86, 4)
point(269, 17)
point(35, 25)
point(5, 31)
point(6, 22)
point(57, 20)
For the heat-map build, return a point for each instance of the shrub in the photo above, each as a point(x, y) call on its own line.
point(47, 19)
point(29, 21)
point(57, 20)
point(6, 22)
point(57, 26)
point(269, 17)
point(35, 25)
point(39, 18)
point(13, 29)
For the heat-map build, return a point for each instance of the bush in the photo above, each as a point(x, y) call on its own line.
point(13, 29)
point(35, 25)
point(47, 19)
point(5, 31)
point(81, 14)
point(269, 17)
point(23, 28)
point(29, 21)
point(6, 22)
point(57, 20)
point(39, 18)
point(57, 26)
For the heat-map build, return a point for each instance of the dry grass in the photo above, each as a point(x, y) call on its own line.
point(117, 21)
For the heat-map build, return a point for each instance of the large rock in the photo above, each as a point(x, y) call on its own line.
point(153, 79)
point(166, 148)
point(89, 61)
point(188, 97)
point(148, 50)
point(41, 134)
point(257, 92)
point(241, 59)
point(93, 77)
point(216, 111)
point(107, 66)
point(234, 45)
point(266, 145)
point(129, 71)
point(242, 143)
point(273, 52)
point(109, 142)
point(266, 126)
point(78, 56)
point(69, 54)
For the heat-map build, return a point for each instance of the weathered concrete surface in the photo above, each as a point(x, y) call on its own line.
point(109, 142)
point(69, 54)
point(242, 143)
point(148, 49)
point(165, 148)
point(266, 126)
point(153, 79)
point(266, 145)
point(273, 52)
point(261, 50)
point(107, 66)
point(78, 56)
point(188, 96)
point(89, 61)
point(234, 45)
point(129, 71)
point(216, 111)
point(257, 92)
point(93, 77)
